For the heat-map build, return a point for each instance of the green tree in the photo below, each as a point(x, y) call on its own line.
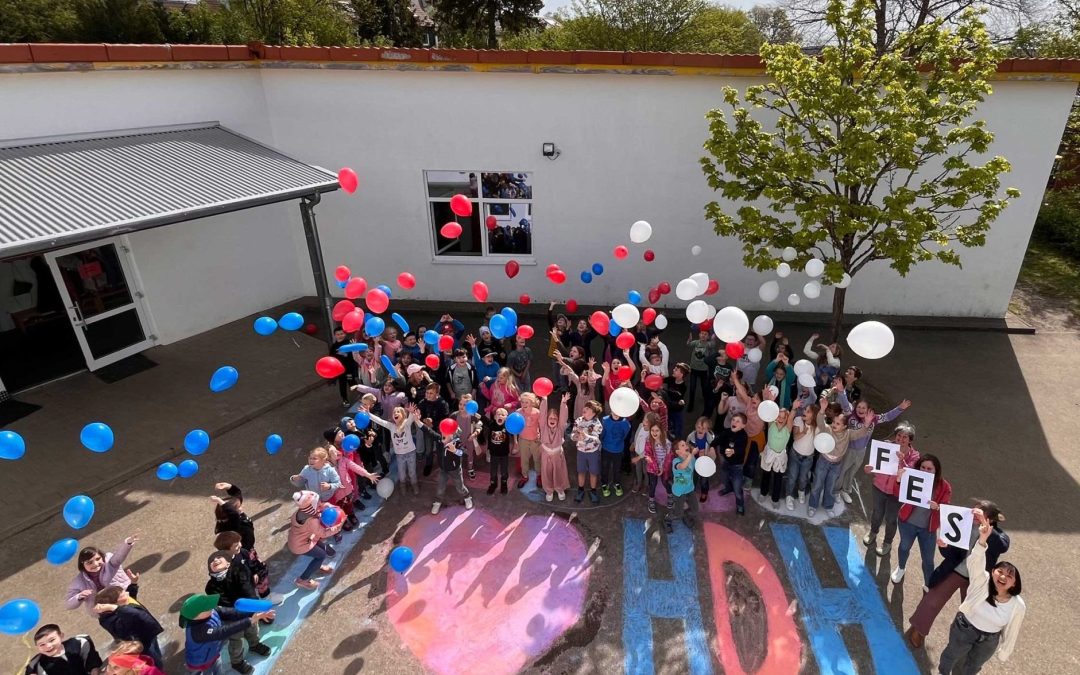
point(37, 21)
point(872, 156)
point(774, 24)
point(477, 23)
point(277, 22)
point(121, 21)
point(390, 21)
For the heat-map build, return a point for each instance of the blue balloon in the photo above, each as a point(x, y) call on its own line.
point(374, 326)
point(167, 471)
point(401, 558)
point(385, 289)
point(353, 347)
point(614, 329)
point(497, 324)
point(223, 378)
point(634, 297)
point(78, 511)
point(97, 437)
point(62, 551)
point(597, 269)
point(188, 468)
point(329, 516)
point(472, 407)
point(252, 605)
point(586, 277)
point(264, 325)
point(197, 441)
point(400, 321)
point(388, 366)
point(342, 284)
point(431, 337)
point(350, 443)
point(510, 314)
point(515, 423)
point(362, 419)
point(291, 321)
point(273, 444)
point(19, 616)
point(12, 445)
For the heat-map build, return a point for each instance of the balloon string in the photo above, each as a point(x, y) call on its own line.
point(29, 646)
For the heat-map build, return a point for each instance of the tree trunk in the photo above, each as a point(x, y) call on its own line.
point(493, 38)
point(837, 312)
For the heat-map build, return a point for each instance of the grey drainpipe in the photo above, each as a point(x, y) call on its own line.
point(318, 268)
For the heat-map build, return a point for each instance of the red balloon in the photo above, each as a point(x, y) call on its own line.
point(664, 288)
point(705, 325)
point(406, 280)
point(377, 301)
point(734, 350)
point(448, 426)
point(625, 340)
point(524, 299)
point(558, 276)
point(543, 387)
point(492, 222)
point(600, 322)
point(311, 329)
point(353, 321)
point(621, 252)
point(649, 314)
point(714, 286)
point(341, 309)
point(450, 231)
point(342, 273)
point(571, 305)
point(356, 288)
point(347, 180)
point(446, 343)
point(329, 367)
point(480, 291)
point(432, 361)
point(551, 268)
point(526, 331)
point(461, 206)
point(624, 373)
point(512, 268)
point(654, 296)
point(649, 255)
point(653, 382)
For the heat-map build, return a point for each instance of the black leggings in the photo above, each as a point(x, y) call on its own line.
point(500, 468)
point(610, 463)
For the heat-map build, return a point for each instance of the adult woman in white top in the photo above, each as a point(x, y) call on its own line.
point(989, 619)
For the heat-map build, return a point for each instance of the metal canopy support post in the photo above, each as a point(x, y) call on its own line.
point(318, 268)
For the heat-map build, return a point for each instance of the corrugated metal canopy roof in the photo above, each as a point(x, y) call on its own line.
point(62, 190)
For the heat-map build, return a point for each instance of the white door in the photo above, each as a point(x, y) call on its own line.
point(97, 283)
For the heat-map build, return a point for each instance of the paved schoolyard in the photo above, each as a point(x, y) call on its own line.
point(516, 583)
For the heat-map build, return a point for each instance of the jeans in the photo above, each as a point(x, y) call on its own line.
point(317, 555)
point(927, 544)
point(733, 480)
point(886, 508)
point(675, 424)
point(798, 473)
point(609, 467)
point(500, 469)
point(824, 479)
point(406, 468)
point(969, 649)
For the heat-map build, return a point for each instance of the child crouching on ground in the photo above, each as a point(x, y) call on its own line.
point(307, 536)
point(449, 454)
point(553, 471)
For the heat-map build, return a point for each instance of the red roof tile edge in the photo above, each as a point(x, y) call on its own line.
point(82, 53)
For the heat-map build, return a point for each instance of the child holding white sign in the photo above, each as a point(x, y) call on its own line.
point(887, 490)
point(921, 523)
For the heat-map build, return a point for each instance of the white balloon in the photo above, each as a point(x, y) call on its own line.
point(814, 267)
point(704, 466)
point(640, 232)
point(807, 380)
point(731, 324)
point(687, 289)
point(762, 325)
point(624, 402)
point(695, 250)
point(626, 315)
point(712, 311)
point(385, 487)
point(804, 367)
point(789, 254)
point(660, 321)
point(769, 291)
point(845, 281)
point(783, 270)
point(793, 299)
point(824, 443)
point(811, 290)
point(754, 355)
point(871, 339)
point(702, 281)
point(697, 311)
point(773, 389)
point(768, 411)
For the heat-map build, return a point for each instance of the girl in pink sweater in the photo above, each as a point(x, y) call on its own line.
point(348, 468)
point(887, 490)
point(502, 393)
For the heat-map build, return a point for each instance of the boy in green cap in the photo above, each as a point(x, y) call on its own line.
point(207, 627)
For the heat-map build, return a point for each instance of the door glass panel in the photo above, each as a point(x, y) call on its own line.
point(95, 280)
point(114, 333)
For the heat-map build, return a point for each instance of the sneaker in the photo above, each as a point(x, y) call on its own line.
point(741, 510)
point(522, 481)
point(468, 502)
point(846, 497)
point(435, 508)
point(703, 497)
point(606, 491)
point(416, 489)
point(790, 503)
point(344, 404)
point(897, 575)
point(580, 495)
point(330, 551)
point(491, 488)
point(365, 495)
point(811, 511)
point(670, 501)
point(549, 496)
point(276, 598)
point(867, 539)
point(747, 488)
point(307, 584)
point(802, 497)
point(245, 667)
point(326, 569)
point(562, 496)
point(502, 488)
point(472, 473)
point(618, 490)
point(427, 469)
point(883, 550)
point(652, 505)
point(347, 526)
point(260, 649)
point(594, 496)
point(359, 506)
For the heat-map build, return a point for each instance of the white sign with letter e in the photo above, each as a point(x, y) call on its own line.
point(956, 524)
point(916, 487)
point(884, 458)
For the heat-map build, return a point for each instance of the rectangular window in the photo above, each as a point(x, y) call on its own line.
point(501, 222)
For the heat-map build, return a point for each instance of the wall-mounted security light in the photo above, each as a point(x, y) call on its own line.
point(550, 151)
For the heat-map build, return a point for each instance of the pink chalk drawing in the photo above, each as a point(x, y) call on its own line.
point(782, 643)
point(487, 597)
